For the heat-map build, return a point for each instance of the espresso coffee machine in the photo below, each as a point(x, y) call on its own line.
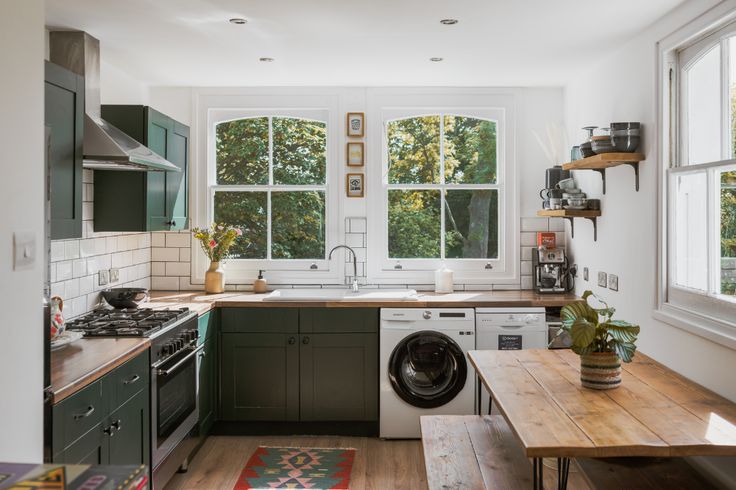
point(552, 272)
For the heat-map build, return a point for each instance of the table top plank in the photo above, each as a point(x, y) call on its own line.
point(655, 412)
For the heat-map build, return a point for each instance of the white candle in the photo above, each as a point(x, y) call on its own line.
point(443, 280)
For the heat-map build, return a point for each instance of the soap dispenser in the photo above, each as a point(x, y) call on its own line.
point(260, 285)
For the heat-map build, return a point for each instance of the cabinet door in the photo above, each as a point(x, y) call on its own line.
point(207, 385)
point(259, 377)
point(88, 449)
point(338, 377)
point(64, 107)
point(177, 150)
point(127, 432)
point(159, 128)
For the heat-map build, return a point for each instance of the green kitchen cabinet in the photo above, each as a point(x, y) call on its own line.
point(108, 421)
point(145, 201)
point(207, 327)
point(259, 377)
point(338, 377)
point(299, 364)
point(64, 116)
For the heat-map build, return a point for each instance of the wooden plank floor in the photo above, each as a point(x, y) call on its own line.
point(379, 464)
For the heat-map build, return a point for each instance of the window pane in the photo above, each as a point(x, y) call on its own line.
point(728, 233)
point(298, 225)
point(242, 152)
point(471, 224)
point(246, 210)
point(413, 224)
point(299, 151)
point(691, 231)
point(414, 150)
point(704, 108)
point(470, 150)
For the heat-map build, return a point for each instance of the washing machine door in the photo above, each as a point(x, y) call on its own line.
point(427, 369)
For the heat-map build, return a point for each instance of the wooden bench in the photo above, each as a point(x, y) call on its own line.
point(468, 452)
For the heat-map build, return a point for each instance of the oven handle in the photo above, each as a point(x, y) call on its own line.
point(167, 372)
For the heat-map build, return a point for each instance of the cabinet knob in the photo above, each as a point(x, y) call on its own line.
point(109, 431)
point(305, 340)
point(171, 223)
point(292, 340)
point(117, 424)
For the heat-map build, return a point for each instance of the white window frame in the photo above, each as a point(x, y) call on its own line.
point(709, 315)
point(216, 106)
point(391, 104)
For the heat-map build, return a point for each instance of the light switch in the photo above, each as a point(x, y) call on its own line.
point(24, 250)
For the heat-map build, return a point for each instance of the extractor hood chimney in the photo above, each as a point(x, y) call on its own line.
point(105, 146)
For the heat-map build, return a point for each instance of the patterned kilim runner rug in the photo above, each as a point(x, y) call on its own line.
point(297, 467)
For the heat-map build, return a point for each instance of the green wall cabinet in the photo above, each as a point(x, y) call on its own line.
point(108, 421)
point(64, 108)
point(145, 201)
point(207, 372)
point(299, 364)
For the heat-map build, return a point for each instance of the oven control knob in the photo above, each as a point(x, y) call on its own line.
point(427, 315)
point(179, 343)
point(167, 349)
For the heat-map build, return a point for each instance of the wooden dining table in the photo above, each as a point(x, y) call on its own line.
point(654, 412)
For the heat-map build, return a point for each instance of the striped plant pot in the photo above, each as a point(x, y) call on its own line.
point(600, 370)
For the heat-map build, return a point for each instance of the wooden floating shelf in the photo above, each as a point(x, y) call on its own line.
point(601, 162)
point(570, 214)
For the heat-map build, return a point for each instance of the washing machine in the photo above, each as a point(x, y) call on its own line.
point(424, 367)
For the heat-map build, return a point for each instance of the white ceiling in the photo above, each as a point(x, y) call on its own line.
point(350, 42)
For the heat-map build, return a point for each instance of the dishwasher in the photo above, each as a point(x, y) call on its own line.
point(508, 329)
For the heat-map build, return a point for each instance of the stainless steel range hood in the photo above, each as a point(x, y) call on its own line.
point(105, 146)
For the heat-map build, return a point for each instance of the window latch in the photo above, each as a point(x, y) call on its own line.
point(398, 266)
point(489, 266)
point(313, 266)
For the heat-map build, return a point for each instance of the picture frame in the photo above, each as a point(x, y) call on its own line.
point(355, 153)
point(355, 185)
point(356, 124)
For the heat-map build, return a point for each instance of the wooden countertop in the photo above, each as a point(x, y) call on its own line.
point(87, 360)
point(201, 303)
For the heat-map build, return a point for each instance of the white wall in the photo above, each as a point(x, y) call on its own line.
point(627, 231)
point(21, 190)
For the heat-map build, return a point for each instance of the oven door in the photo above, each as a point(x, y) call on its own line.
point(174, 401)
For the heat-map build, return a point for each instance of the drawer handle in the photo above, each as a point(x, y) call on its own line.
point(305, 340)
point(90, 411)
point(292, 341)
point(131, 380)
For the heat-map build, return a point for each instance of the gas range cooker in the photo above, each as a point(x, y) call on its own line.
point(132, 322)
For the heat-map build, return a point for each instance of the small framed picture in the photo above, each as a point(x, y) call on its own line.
point(355, 185)
point(356, 154)
point(356, 124)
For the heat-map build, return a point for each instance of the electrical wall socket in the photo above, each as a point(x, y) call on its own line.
point(585, 274)
point(114, 275)
point(602, 279)
point(613, 282)
point(104, 278)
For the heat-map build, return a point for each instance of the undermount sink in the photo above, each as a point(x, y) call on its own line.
point(342, 295)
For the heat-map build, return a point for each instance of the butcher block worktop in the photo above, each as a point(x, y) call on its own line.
point(201, 302)
point(87, 360)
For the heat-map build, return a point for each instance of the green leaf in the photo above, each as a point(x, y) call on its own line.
point(625, 350)
point(582, 351)
point(622, 331)
point(582, 332)
point(578, 309)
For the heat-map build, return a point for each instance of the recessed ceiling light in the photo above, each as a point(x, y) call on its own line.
point(436, 59)
point(238, 20)
point(449, 22)
point(266, 60)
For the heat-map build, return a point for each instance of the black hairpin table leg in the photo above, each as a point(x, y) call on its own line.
point(563, 470)
point(538, 474)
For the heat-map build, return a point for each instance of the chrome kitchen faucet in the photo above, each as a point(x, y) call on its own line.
point(354, 287)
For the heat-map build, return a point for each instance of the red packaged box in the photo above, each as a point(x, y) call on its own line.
point(546, 240)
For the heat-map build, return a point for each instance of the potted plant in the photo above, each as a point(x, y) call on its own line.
point(216, 243)
point(601, 342)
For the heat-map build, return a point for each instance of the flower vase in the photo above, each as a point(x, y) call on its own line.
point(214, 278)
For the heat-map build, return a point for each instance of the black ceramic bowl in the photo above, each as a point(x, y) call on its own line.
point(602, 144)
point(125, 297)
point(586, 149)
point(625, 140)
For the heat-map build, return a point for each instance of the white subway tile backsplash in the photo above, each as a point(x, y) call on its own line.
point(526, 268)
point(88, 210)
point(178, 240)
point(71, 249)
point(64, 270)
point(556, 224)
point(158, 268)
point(528, 239)
point(165, 283)
point(526, 282)
point(159, 254)
point(158, 239)
point(57, 251)
point(79, 268)
point(534, 224)
point(86, 284)
point(177, 269)
point(185, 254)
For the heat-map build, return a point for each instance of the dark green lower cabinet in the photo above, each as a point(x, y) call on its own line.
point(127, 432)
point(91, 448)
point(259, 377)
point(207, 385)
point(338, 377)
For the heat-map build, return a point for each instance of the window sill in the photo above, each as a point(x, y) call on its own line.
point(714, 330)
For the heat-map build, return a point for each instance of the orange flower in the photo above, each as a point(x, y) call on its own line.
point(213, 244)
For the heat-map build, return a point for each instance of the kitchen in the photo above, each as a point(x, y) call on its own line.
point(333, 118)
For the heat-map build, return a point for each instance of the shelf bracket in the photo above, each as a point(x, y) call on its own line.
point(593, 219)
point(635, 166)
point(602, 171)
